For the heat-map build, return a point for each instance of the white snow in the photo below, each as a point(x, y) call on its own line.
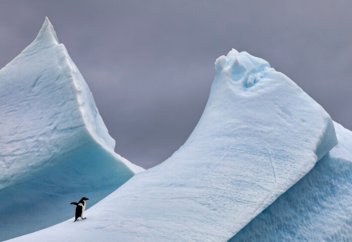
point(54, 146)
point(258, 136)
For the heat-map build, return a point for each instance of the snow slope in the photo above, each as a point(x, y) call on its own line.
point(54, 146)
point(317, 208)
point(259, 135)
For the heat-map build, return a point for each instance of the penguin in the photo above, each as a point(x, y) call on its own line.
point(80, 207)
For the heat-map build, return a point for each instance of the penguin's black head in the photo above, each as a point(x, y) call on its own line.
point(84, 199)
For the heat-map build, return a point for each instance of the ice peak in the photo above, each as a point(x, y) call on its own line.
point(223, 60)
point(240, 67)
point(62, 132)
point(47, 34)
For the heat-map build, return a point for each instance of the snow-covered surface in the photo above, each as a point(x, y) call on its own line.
point(317, 208)
point(259, 135)
point(54, 146)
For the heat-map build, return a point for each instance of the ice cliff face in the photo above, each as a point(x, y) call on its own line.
point(317, 208)
point(54, 146)
point(259, 135)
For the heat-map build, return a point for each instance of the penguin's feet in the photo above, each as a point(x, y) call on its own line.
point(84, 218)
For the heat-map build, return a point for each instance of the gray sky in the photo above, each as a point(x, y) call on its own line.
point(149, 64)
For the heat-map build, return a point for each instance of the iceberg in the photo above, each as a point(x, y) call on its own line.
point(317, 208)
point(259, 135)
point(54, 146)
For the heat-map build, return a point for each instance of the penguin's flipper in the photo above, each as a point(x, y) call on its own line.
point(74, 203)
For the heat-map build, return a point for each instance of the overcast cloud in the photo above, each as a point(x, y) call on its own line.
point(149, 64)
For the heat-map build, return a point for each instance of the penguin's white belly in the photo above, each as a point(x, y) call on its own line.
point(83, 209)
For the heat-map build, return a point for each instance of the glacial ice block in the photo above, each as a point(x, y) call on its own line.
point(259, 135)
point(317, 208)
point(54, 146)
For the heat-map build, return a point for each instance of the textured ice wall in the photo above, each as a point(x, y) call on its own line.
point(259, 135)
point(317, 208)
point(54, 146)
